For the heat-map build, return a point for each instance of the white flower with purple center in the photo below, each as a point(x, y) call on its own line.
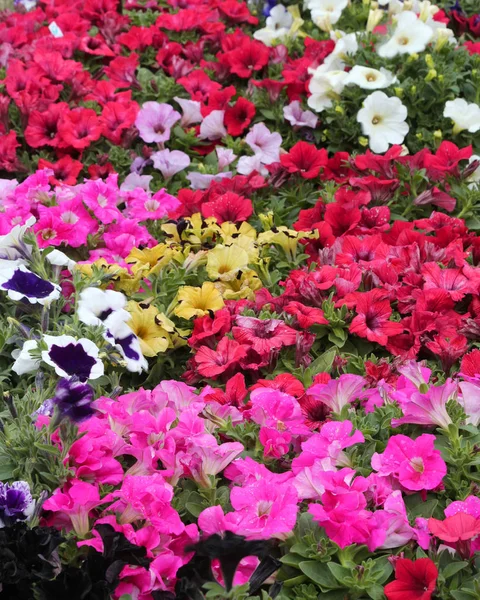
point(119, 335)
point(16, 503)
point(22, 284)
point(71, 357)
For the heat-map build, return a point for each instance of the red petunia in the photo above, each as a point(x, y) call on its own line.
point(458, 531)
point(212, 363)
point(237, 12)
point(305, 159)
point(117, 118)
point(199, 85)
point(285, 382)
point(249, 57)
point(470, 365)
point(446, 159)
point(65, 170)
point(239, 116)
point(79, 128)
point(373, 314)
point(207, 329)
point(305, 315)
point(228, 207)
point(414, 580)
point(263, 335)
point(42, 128)
point(234, 394)
point(121, 71)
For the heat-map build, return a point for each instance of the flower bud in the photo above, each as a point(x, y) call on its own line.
point(431, 75)
point(374, 18)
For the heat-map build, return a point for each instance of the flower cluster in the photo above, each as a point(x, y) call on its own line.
point(240, 285)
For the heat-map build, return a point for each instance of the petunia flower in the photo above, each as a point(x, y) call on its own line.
point(265, 145)
point(73, 400)
point(71, 357)
point(155, 120)
point(96, 306)
point(16, 503)
point(198, 301)
point(298, 117)
point(22, 284)
point(465, 115)
point(410, 36)
point(370, 79)
point(383, 121)
point(170, 162)
point(414, 580)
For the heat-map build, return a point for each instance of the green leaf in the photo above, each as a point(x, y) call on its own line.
point(47, 448)
point(6, 470)
point(339, 572)
point(291, 559)
point(452, 568)
point(194, 509)
point(323, 363)
point(376, 592)
point(319, 574)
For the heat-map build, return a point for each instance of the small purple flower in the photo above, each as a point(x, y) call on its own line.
point(155, 120)
point(16, 502)
point(74, 400)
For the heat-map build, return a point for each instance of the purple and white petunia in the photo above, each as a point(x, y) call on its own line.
point(16, 503)
point(71, 357)
point(22, 284)
point(119, 335)
point(96, 306)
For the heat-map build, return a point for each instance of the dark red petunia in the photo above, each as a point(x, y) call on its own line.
point(305, 159)
point(228, 207)
point(239, 116)
point(414, 580)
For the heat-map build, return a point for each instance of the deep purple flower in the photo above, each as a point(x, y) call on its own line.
point(74, 399)
point(16, 502)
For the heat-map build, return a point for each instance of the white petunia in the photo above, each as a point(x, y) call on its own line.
point(212, 127)
point(465, 115)
point(346, 44)
point(279, 18)
point(383, 121)
point(410, 36)
point(326, 12)
point(24, 362)
point(370, 79)
point(57, 258)
point(324, 88)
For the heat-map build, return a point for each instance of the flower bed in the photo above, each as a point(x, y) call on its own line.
point(240, 329)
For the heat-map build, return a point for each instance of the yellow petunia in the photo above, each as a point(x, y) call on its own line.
point(197, 302)
point(240, 287)
point(151, 327)
point(149, 260)
point(226, 262)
